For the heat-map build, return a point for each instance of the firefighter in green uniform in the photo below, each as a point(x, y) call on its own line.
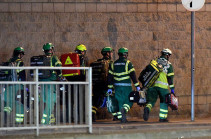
point(160, 88)
point(120, 74)
point(15, 75)
point(99, 91)
point(49, 94)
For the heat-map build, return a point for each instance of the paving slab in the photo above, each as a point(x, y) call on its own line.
point(136, 129)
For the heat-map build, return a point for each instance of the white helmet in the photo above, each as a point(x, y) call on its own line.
point(166, 52)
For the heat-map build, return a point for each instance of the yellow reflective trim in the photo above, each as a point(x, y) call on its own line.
point(162, 110)
point(149, 106)
point(93, 107)
point(20, 115)
point(44, 115)
point(51, 61)
point(53, 120)
point(58, 62)
point(119, 113)
point(126, 66)
point(131, 70)
point(19, 119)
point(114, 114)
point(124, 73)
point(171, 86)
point(110, 86)
point(120, 74)
point(73, 74)
point(18, 70)
point(170, 74)
point(163, 115)
point(119, 116)
point(126, 105)
point(154, 67)
point(94, 111)
point(43, 121)
point(8, 109)
point(136, 84)
point(123, 78)
point(111, 72)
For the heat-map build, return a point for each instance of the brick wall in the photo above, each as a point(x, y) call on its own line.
point(145, 27)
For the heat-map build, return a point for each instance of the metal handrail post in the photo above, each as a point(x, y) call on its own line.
point(192, 63)
point(37, 100)
point(90, 99)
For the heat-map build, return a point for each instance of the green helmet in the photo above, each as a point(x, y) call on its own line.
point(80, 47)
point(47, 47)
point(18, 50)
point(106, 49)
point(123, 51)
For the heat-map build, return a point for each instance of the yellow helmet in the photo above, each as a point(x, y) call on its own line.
point(80, 47)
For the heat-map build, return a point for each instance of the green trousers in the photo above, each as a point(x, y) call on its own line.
point(49, 98)
point(11, 102)
point(152, 95)
point(121, 94)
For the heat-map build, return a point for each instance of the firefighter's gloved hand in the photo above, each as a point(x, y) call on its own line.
point(138, 88)
point(109, 92)
point(104, 102)
point(172, 91)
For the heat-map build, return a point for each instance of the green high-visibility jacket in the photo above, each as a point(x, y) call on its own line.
point(121, 72)
point(20, 73)
point(165, 79)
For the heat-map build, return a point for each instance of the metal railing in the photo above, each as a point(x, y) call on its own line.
point(67, 104)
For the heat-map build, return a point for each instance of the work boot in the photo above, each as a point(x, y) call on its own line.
point(93, 117)
point(163, 120)
point(146, 114)
point(115, 118)
point(124, 118)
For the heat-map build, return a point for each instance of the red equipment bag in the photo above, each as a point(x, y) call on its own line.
point(172, 101)
point(70, 60)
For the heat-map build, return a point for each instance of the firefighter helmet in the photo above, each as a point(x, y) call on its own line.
point(80, 47)
point(106, 49)
point(166, 52)
point(18, 50)
point(123, 51)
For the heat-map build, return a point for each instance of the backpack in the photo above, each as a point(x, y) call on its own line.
point(41, 60)
point(70, 60)
point(150, 74)
point(8, 74)
point(100, 72)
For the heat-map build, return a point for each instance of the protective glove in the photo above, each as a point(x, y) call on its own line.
point(138, 88)
point(104, 102)
point(109, 92)
point(172, 91)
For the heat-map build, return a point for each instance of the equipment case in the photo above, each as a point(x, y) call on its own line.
point(150, 74)
point(100, 72)
point(41, 60)
point(172, 101)
point(70, 60)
